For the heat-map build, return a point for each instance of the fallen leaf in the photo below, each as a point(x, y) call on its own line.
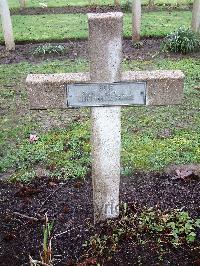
point(184, 174)
point(9, 237)
point(66, 209)
point(88, 261)
point(78, 184)
point(52, 184)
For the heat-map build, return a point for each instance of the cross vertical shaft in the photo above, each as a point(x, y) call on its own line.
point(105, 50)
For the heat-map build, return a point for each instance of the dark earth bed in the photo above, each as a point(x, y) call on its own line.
point(69, 204)
point(149, 50)
point(92, 9)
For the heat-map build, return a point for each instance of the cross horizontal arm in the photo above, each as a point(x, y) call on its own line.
point(48, 91)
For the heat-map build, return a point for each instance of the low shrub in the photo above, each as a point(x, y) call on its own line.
point(182, 41)
point(49, 49)
point(127, 6)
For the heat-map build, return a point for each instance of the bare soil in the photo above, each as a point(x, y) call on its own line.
point(69, 204)
point(91, 9)
point(148, 50)
point(64, 10)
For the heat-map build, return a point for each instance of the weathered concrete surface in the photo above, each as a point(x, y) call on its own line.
point(7, 25)
point(105, 46)
point(47, 91)
point(22, 3)
point(164, 87)
point(196, 16)
point(105, 50)
point(136, 20)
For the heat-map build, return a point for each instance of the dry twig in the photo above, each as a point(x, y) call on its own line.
point(26, 216)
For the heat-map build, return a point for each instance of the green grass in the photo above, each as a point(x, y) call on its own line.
point(65, 152)
point(60, 3)
point(158, 24)
point(75, 26)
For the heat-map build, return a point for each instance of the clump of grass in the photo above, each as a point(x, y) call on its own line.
point(49, 49)
point(46, 256)
point(184, 41)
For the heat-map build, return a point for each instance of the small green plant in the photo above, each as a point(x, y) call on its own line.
point(173, 227)
point(46, 256)
point(127, 6)
point(182, 41)
point(49, 49)
point(176, 227)
point(138, 45)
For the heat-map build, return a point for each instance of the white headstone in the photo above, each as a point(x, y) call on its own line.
point(196, 16)
point(7, 25)
point(136, 20)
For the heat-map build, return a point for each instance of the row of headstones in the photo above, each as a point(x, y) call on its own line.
point(136, 21)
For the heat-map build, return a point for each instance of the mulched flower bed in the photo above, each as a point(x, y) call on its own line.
point(91, 9)
point(69, 204)
point(149, 49)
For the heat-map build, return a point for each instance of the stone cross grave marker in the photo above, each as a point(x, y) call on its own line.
point(105, 89)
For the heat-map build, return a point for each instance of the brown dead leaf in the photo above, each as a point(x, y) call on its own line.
point(165, 217)
point(184, 174)
point(25, 192)
point(52, 184)
point(78, 184)
point(87, 262)
point(9, 237)
point(65, 209)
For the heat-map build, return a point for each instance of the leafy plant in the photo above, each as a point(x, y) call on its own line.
point(177, 226)
point(137, 45)
point(49, 49)
point(182, 41)
point(127, 6)
point(170, 227)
